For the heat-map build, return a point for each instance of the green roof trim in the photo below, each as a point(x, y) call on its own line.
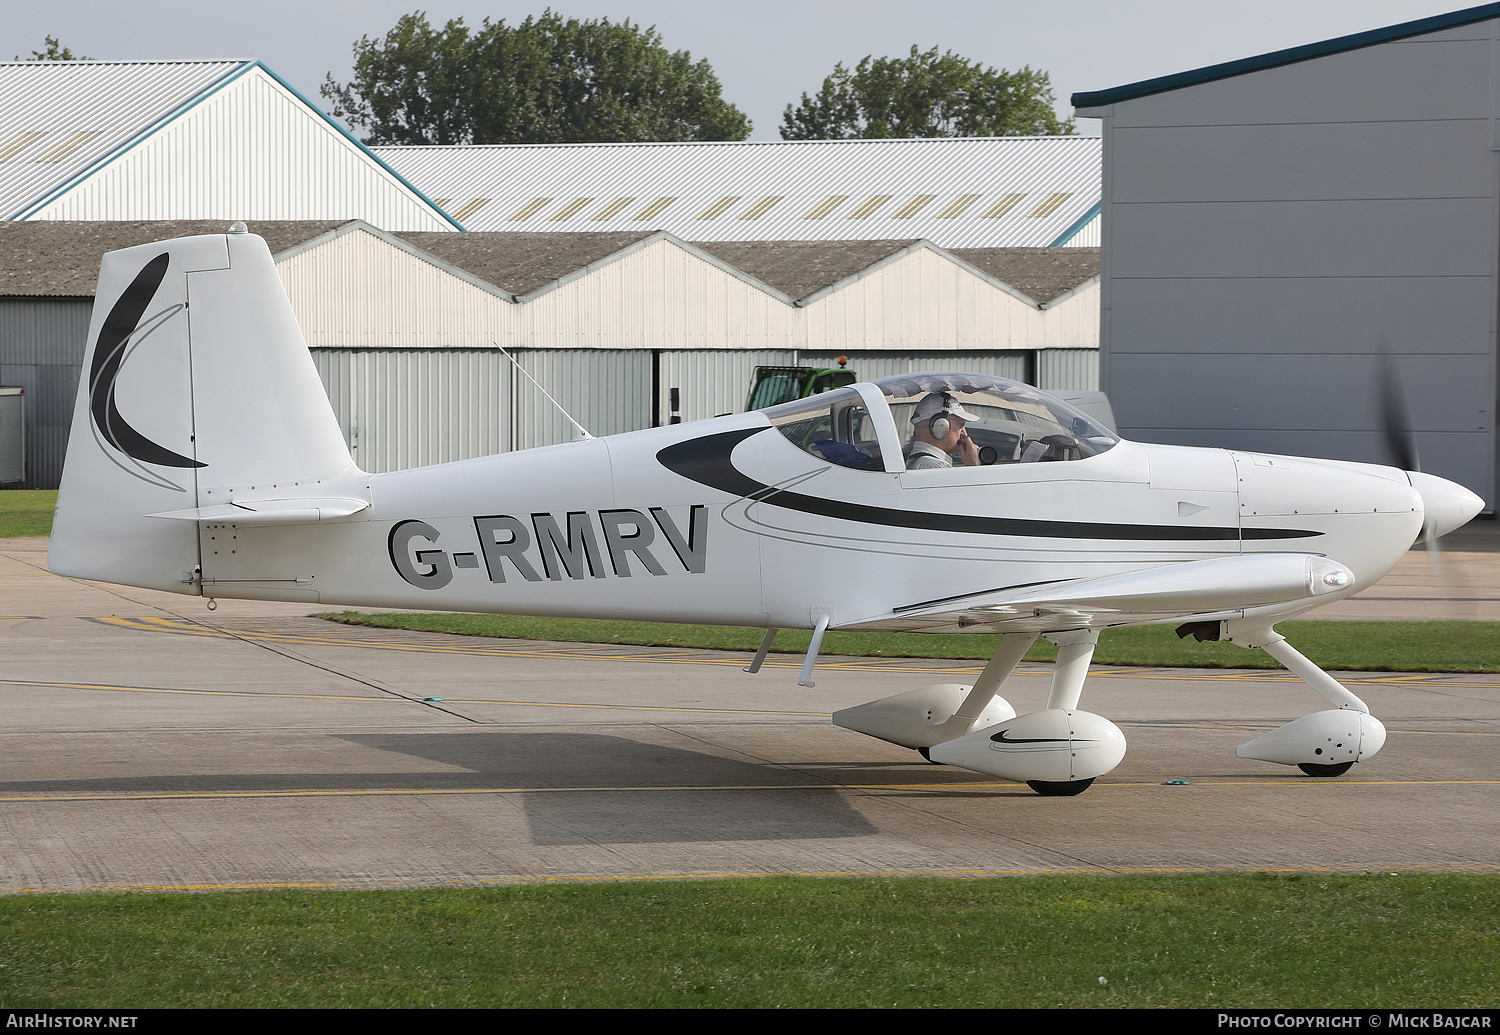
point(1276, 59)
point(339, 127)
point(1078, 224)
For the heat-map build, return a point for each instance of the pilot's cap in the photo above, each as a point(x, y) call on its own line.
point(937, 403)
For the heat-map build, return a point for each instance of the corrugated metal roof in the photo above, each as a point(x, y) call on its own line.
point(153, 139)
point(968, 192)
point(59, 119)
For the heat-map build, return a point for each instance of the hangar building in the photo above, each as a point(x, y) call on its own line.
point(404, 327)
point(902, 255)
point(125, 140)
point(1275, 227)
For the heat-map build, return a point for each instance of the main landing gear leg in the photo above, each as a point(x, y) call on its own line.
point(1324, 743)
point(1058, 751)
point(931, 715)
point(1075, 649)
point(1008, 654)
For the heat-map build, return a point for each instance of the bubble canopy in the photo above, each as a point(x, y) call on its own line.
point(1012, 423)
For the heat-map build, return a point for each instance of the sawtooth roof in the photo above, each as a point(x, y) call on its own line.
point(1041, 273)
point(61, 258)
point(800, 268)
point(520, 263)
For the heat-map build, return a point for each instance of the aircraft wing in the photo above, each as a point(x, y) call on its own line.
point(1223, 587)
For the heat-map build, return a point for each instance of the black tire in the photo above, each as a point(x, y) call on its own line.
point(1320, 769)
point(1059, 788)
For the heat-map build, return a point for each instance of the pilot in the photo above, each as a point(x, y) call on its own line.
point(938, 430)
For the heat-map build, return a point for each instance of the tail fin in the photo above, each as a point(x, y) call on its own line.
point(197, 388)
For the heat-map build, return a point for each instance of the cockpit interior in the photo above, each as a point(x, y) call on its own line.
point(1016, 423)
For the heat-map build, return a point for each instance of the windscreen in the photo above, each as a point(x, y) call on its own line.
point(834, 426)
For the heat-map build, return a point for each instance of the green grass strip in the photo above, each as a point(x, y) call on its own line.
point(1197, 940)
point(26, 512)
point(1357, 646)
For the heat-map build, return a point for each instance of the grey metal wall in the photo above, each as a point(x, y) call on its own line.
point(1060, 370)
point(1017, 364)
point(712, 382)
point(715, 382)
point(606, 390)
point(1269, 236)
point(42, 341)
point(401, 408)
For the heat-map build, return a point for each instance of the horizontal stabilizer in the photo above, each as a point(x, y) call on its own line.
point(269, 512)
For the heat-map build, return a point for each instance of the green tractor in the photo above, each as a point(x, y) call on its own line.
point(773, 385)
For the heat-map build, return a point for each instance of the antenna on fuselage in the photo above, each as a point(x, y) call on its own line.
point(583, 433)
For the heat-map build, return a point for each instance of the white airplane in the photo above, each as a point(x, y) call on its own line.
point(205, 460)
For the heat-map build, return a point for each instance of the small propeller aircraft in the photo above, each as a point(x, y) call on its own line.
point(205, 460)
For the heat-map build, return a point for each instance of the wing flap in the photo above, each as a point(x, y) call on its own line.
point(1192, 589)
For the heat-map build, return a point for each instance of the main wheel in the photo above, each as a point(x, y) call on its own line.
point(1320, 769)
point(1059, 788)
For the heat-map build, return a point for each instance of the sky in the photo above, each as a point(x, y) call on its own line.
point(766, 54)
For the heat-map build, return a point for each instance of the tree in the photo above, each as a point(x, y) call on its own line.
point(926, 95)
point(55, 52)
point(545, 81)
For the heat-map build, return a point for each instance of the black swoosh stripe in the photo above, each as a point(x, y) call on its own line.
point(1001, 738)
point(109, 353)
point(707, 461)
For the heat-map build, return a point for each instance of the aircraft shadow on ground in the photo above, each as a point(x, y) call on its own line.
point(592, 788)
point(577, 788)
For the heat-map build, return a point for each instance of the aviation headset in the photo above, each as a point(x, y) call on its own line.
point(941, 422)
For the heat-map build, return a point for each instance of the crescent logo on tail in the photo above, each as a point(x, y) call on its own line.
point(120, 331)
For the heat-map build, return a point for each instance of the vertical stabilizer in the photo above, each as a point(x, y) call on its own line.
point(196, 386)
